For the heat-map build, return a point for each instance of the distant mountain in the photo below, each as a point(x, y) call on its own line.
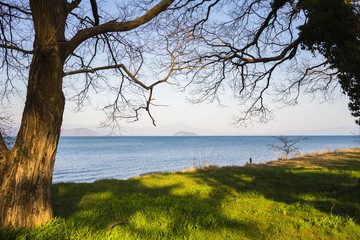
point(183, 133)
point(166, 130)
point(343, 130)
point(78, 132)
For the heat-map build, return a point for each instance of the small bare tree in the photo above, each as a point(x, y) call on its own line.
point(288, 145)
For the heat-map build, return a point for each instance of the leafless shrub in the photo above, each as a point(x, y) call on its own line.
point(288, 145)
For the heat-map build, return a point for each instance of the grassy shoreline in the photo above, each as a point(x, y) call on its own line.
point(314, 196)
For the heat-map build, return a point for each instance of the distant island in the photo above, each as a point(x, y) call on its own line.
point(78, 132)
point(183, 133)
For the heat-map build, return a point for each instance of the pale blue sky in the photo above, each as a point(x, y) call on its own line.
point(308, 117)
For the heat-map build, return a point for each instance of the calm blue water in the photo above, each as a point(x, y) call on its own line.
point(86, 159)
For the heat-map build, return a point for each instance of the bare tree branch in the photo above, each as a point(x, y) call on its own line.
point(114, 26)
point(17, 49)
point(95, 12)
point(15, 7)
point(74, 4)
point(93, 70)
point(289, 48)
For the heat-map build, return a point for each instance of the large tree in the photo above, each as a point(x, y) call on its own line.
point(215, 44)
point(42, 41)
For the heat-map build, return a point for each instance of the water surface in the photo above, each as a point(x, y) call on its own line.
point(86, 159)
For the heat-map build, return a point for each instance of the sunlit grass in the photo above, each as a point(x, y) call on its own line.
point(310, 197)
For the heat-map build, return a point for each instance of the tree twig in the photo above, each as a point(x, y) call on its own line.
point(117, 223)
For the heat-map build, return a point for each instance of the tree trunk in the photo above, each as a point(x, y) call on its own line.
point(27, 177)
point(27, 170)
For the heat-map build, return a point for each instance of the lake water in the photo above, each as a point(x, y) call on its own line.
point(86, 159)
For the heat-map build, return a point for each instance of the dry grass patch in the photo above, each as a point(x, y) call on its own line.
point(325, 159)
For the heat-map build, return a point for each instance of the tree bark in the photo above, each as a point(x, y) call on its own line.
point(3, 148)
point(26, 175)
point(3, 153)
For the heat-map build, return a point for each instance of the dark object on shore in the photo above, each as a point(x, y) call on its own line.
point(250, 162)
point(150, 173)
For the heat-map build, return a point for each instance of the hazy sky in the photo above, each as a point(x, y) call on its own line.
point(308, 117)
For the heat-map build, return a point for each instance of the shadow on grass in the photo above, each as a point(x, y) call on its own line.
point(211, 203)
point(177, 205)
point(160, 211)
point(332, 188)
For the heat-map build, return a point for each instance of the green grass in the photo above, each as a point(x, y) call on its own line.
point(310, 197)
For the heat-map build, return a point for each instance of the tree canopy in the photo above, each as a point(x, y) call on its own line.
point(333, 30)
